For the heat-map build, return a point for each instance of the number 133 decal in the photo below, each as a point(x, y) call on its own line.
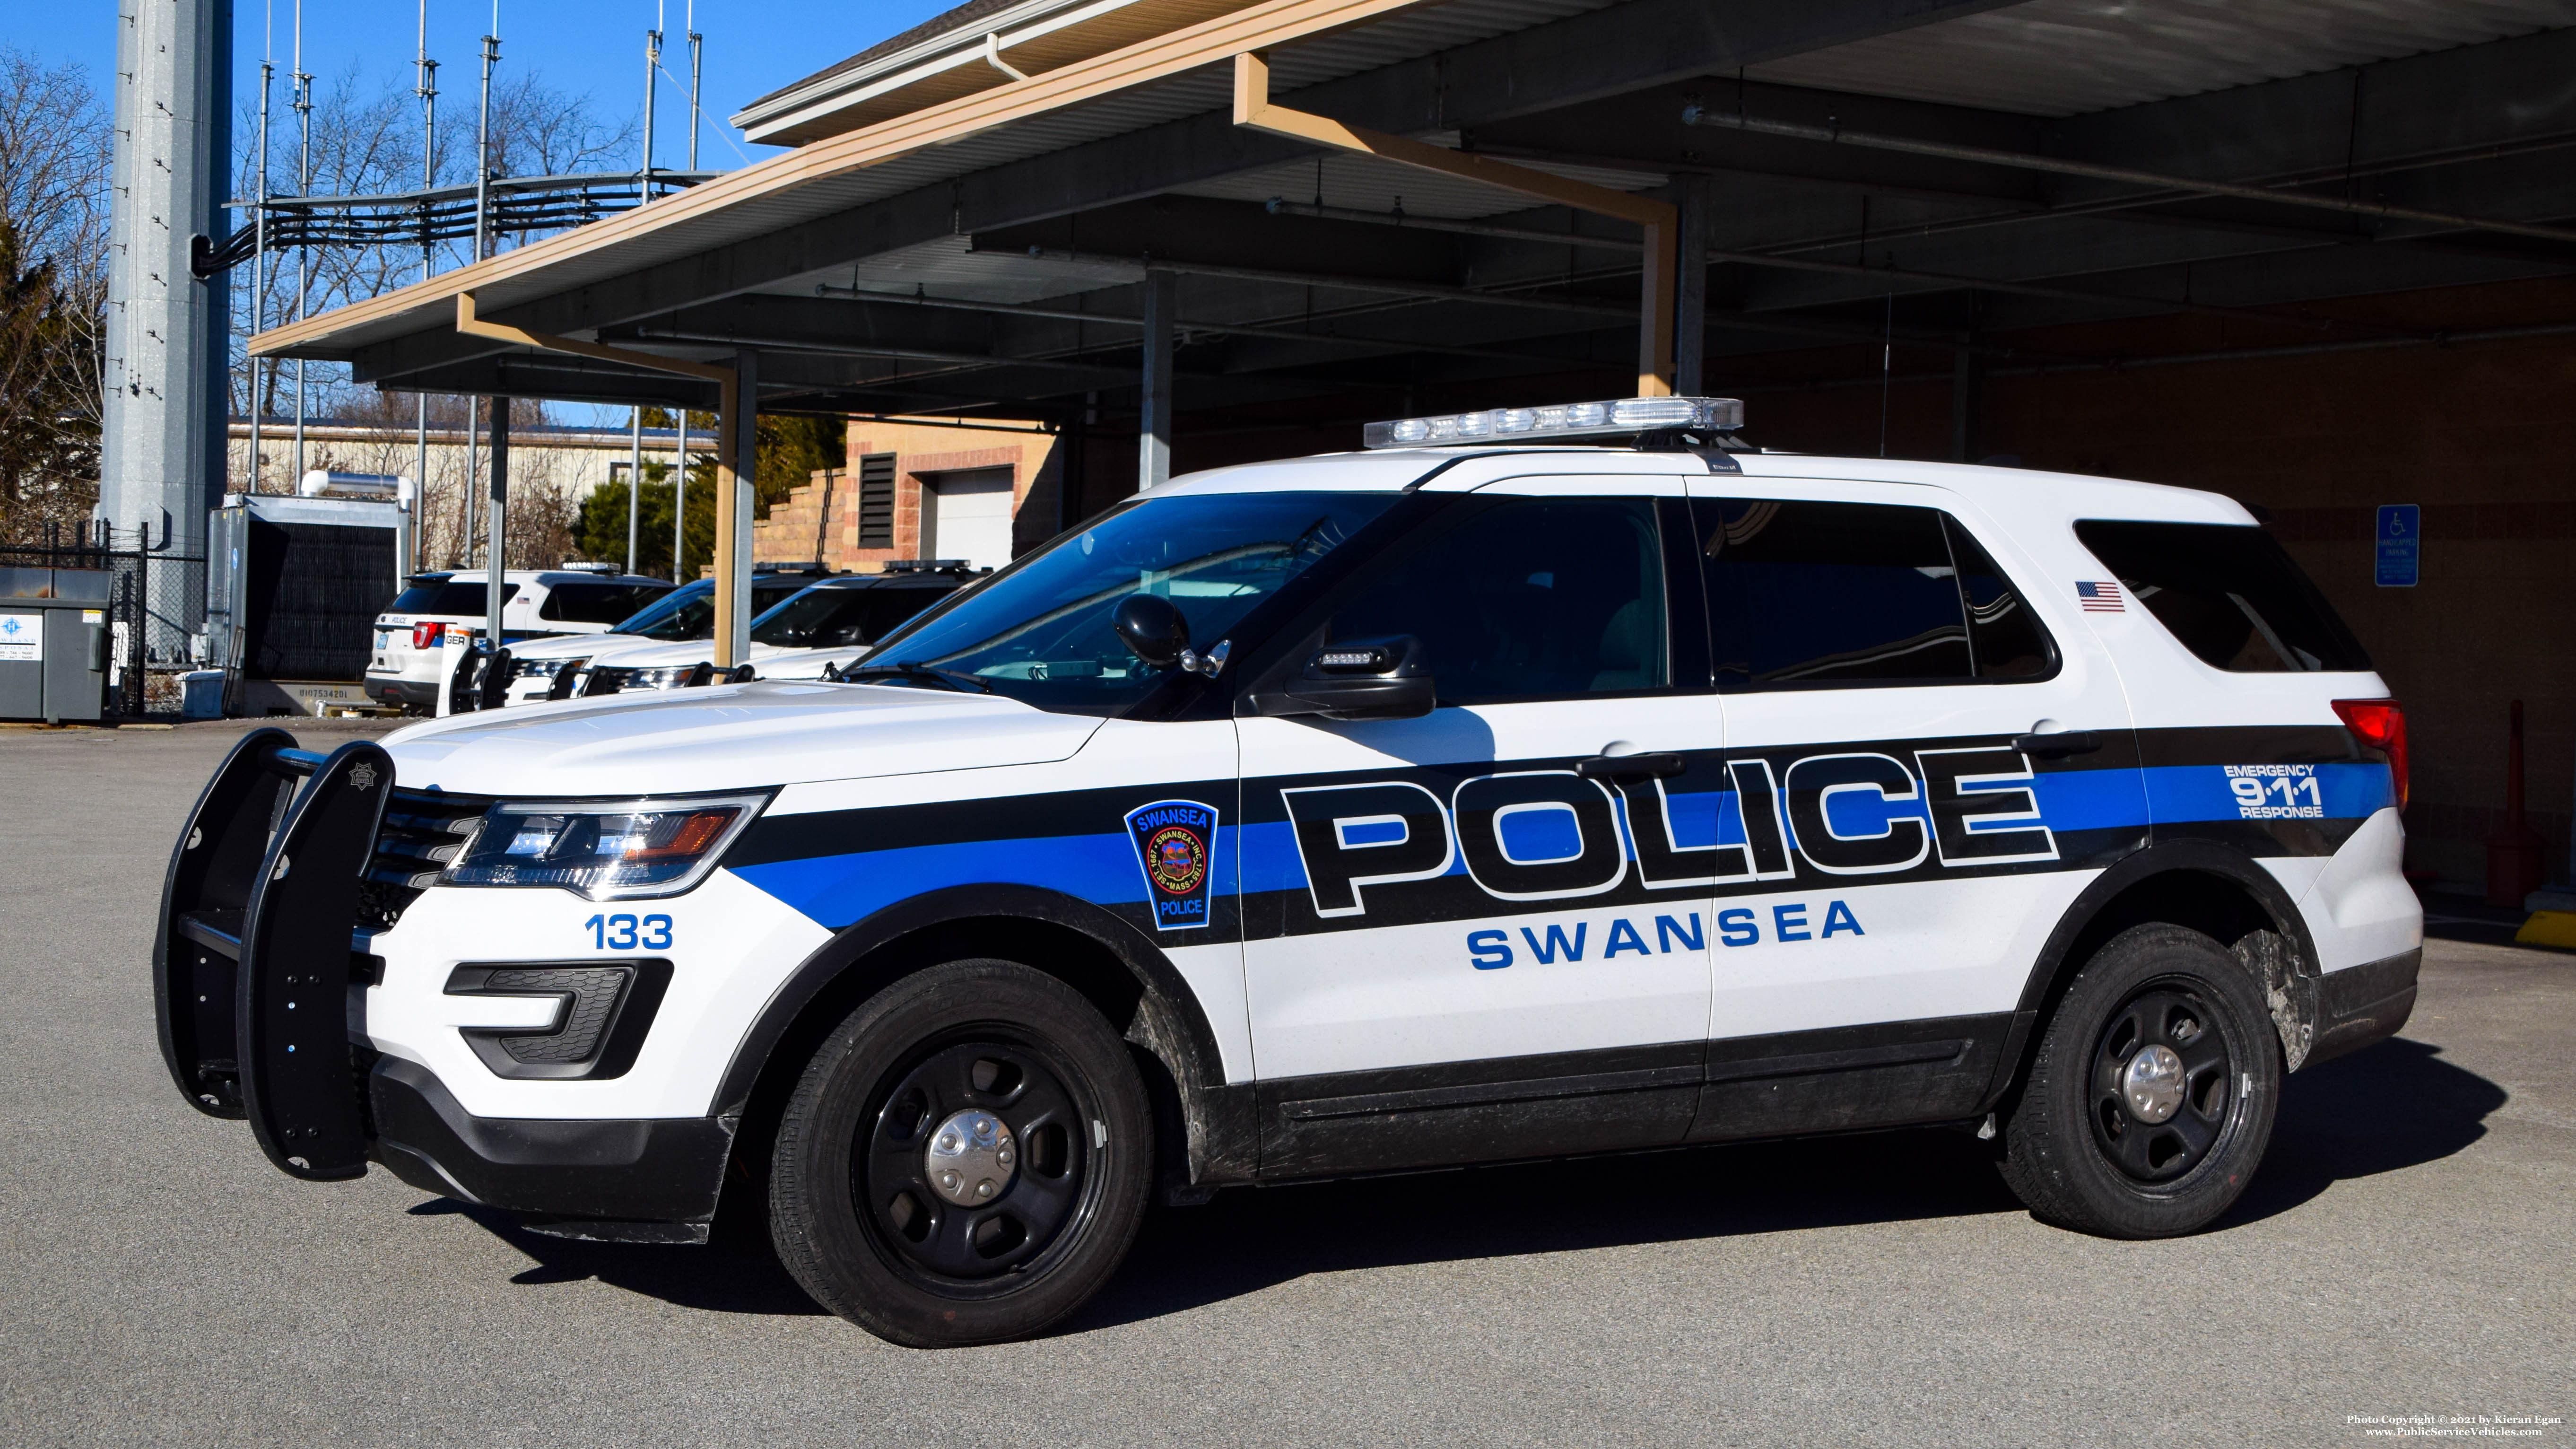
point(625, 933)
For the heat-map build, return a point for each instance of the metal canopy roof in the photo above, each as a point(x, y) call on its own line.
point(2069, 57)
point(983, 251)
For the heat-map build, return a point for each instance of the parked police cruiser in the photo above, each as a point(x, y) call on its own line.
point(1484, 795)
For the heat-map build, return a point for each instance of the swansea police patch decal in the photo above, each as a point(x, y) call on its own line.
point(1174, 841)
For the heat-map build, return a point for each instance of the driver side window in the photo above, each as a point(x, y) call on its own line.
point(1530, 598)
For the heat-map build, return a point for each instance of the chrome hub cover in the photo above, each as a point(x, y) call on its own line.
point(972, 1157)
point(2152, 1084)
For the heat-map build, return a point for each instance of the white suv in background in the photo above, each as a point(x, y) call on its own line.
point(833, 623)
point(403, 667)
point(685, 614)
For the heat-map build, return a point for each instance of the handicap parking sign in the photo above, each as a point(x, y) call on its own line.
point(2400, 546)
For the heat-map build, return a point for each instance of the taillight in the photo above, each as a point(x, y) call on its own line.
point(424, 635)
point(2379, 724)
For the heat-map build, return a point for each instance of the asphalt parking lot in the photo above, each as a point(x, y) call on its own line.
point(2408, 1249)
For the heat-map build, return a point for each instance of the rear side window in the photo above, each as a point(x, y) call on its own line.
point(597, 603)
point(446, 598)
point(2229, 592)
point(1806, 594)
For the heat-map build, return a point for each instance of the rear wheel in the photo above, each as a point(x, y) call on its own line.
point(2151, 1098)
point(966, 1159)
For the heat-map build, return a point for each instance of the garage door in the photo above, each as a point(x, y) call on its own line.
point(967, 515)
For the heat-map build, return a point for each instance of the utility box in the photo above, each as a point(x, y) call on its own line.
point(294, 586)
point(53, 643)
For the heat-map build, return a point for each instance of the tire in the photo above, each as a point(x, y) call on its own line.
point(2152, 1095)
point(965, 1159)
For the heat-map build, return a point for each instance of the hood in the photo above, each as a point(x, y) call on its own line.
point(727, 737)
point(572, 646)
point(808, 663)
point(633, 653)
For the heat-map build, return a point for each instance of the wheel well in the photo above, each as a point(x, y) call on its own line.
point(1078, 960)
point(2222, 909)
point(2217, 904)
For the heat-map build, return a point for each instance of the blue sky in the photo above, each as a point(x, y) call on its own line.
point(597, 46)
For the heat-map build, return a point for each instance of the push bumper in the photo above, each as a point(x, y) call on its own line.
point(257, 954)
point(651, 1179)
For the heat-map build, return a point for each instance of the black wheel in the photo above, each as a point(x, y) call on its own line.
point(2151, 1098)
point(966, 1158)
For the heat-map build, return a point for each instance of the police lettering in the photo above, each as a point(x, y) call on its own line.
point(1552, 834)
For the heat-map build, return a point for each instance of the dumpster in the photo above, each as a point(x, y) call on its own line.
point(53, 643)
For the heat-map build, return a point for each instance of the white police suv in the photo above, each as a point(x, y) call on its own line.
point(1495, 793)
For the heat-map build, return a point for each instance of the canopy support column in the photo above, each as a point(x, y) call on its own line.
point(737, 468)
point(497, 520)
point(1690, 286)
point(1154, 423)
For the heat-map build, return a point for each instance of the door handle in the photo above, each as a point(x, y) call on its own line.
point(2058, 745)
point(1630, 767)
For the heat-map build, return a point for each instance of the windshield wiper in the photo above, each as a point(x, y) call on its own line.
point(911, 669)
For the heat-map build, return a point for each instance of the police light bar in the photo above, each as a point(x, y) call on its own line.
point(1563, 420)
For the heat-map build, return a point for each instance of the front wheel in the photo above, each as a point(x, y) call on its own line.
point(965, 1160)
point(2151, 1098)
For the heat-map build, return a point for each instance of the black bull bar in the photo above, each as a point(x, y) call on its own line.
point(251, 966)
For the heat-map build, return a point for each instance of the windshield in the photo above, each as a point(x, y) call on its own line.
point(672, 611)
point(1041, 631)
point(690, 612)
point(825, 618)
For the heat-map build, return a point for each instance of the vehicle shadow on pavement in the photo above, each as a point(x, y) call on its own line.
point(2391, 1106)
point(2394, 1106)
point(730, 1277)
point(1251, 1239)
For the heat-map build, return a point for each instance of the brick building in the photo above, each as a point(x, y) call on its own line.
point(924, 489)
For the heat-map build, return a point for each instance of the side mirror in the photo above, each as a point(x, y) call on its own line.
point(1152, 629)
point(1383, 678)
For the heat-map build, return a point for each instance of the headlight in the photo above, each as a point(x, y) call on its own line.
point(541, 668)
point(612, 851)
point(668, 676)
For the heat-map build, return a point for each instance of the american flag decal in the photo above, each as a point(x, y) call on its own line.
point(2101, 598)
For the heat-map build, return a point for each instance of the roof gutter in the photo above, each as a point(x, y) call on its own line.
point(965, 45)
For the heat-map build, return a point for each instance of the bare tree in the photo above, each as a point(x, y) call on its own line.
point(367, 142)
point(53, 292)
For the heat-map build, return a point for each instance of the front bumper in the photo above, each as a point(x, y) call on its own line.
point(626, 1172)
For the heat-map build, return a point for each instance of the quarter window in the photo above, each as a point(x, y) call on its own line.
point(2229, 592)
point(1531, 598)
point(1811, 594)
point(597, 603)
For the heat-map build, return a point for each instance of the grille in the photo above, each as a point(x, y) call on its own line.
point(422, 833)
